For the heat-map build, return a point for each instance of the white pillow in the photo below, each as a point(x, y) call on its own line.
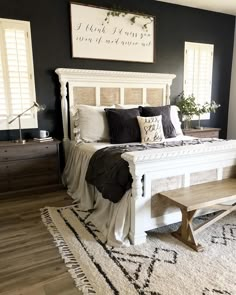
point(175, 119)
point(90, 124)
point(151, 129)
point(129, 106)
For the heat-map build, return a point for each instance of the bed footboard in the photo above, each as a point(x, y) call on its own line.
point(185, 161)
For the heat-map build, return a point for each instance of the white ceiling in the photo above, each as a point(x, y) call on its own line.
point(224, 6)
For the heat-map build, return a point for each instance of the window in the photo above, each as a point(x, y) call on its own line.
point(198, 64)
point(17, 89)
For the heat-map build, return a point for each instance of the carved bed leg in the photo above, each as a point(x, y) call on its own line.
point(137, 233)
point(64, 108)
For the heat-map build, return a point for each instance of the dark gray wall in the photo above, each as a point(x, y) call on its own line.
point(50, 27)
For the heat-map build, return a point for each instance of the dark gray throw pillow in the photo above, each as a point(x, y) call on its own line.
point(123, 125)
point(168, 127)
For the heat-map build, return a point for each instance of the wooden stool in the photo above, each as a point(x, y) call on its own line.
point(209, 195)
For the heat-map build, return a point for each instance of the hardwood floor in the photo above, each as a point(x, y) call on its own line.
point(30, 263)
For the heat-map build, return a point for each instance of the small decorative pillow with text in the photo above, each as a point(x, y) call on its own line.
point(151, 129)
point(168, 127)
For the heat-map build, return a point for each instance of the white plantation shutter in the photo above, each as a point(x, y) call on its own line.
point(3, 101)
point(17, 89)
point(198, 64)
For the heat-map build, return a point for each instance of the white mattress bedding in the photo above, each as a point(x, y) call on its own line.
point(112, 219)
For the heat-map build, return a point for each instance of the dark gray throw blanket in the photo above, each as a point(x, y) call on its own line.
point(109, 173)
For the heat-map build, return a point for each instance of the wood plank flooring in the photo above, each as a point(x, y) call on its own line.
point(30, 263)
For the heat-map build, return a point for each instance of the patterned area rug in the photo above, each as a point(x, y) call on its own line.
point(162, 266)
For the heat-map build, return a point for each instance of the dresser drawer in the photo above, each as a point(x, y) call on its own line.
point(29, 166)
point(3, 170)
point(36, 166)
point(19, 183)
point(212, 134)
point(203, 133)
point(4, 185)
point(26, 152)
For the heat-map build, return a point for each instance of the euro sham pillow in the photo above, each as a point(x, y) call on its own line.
point(164, 111)
point(151, 129)
point(123, 125)
point(90, 124)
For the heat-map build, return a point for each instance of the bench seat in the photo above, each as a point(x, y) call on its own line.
point(207, 195)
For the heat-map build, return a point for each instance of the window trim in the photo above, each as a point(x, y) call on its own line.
point(210, 47)
point(27, 123)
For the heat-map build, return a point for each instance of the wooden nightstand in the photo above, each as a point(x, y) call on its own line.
point(29, 166)
point(203, 133)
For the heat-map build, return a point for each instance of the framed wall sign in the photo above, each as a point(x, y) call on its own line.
point(99, 34)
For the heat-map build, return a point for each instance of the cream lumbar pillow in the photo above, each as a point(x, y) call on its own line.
point(151, 129)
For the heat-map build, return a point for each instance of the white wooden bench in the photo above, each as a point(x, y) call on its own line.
point(208, 195)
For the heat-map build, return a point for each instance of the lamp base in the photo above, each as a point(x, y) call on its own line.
point(22, 141)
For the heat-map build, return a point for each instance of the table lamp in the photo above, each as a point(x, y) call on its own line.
point(35, 104)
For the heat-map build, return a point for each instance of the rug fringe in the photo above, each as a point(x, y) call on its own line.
point(81, 281)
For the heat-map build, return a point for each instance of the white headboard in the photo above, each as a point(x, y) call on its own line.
point(108, 87)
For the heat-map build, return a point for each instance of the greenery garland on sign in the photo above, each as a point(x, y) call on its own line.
point(117, 13)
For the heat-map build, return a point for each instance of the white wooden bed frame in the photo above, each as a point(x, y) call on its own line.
point(145, 166)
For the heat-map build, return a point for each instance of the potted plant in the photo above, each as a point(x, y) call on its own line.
point(188, 108)
point(206, 108)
